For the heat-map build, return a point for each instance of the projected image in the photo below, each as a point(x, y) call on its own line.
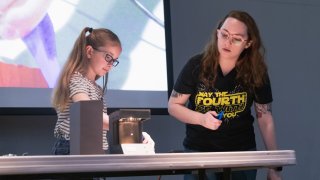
point(37, 36)
point(27, 47)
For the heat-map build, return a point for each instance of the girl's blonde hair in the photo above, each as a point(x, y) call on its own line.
point(78, 61)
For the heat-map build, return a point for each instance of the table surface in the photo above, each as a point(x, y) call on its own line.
point(19, 165)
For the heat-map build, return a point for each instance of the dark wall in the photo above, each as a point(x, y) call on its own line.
point(290, 31)
point(30, 135)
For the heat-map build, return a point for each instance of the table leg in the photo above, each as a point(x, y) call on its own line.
point(201, 174)
point(226, 173)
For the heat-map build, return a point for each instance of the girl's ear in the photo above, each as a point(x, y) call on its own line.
point(89, 51)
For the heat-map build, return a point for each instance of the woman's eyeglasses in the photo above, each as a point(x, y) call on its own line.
point(233, 38)
point(108, 58)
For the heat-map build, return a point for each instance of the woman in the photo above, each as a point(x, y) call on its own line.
point(221, 84)
point(94, 54)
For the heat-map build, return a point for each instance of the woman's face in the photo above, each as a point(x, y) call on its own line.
point(102, 59)
point(232, 38)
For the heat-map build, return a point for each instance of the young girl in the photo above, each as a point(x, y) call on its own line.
point(94, 54)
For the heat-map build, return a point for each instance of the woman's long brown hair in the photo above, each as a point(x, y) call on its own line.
point(251, 68)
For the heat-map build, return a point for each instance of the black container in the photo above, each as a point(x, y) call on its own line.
point(125, 127)
point(128, 130)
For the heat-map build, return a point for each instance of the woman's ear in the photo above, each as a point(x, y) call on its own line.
point(248, 44)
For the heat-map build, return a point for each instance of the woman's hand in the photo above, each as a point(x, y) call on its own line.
point(273, 174)
point(209, 121)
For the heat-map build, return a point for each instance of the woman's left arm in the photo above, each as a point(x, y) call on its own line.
point(266, 125)
point(267, 129)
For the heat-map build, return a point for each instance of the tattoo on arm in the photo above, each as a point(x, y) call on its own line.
point(175, 94)
point(262, 109)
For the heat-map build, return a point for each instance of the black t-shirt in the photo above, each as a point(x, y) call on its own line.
point(236, 132)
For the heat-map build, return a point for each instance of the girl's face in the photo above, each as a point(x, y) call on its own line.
point(232, 38)
point(102, 59)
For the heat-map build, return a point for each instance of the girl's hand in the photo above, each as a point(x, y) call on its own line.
point(147, 139)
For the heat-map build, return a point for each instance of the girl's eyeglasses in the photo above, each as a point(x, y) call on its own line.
point(108, 58)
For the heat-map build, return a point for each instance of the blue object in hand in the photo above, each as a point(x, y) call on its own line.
point(220, 115)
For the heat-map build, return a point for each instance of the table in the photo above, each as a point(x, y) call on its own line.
point(111, 165)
